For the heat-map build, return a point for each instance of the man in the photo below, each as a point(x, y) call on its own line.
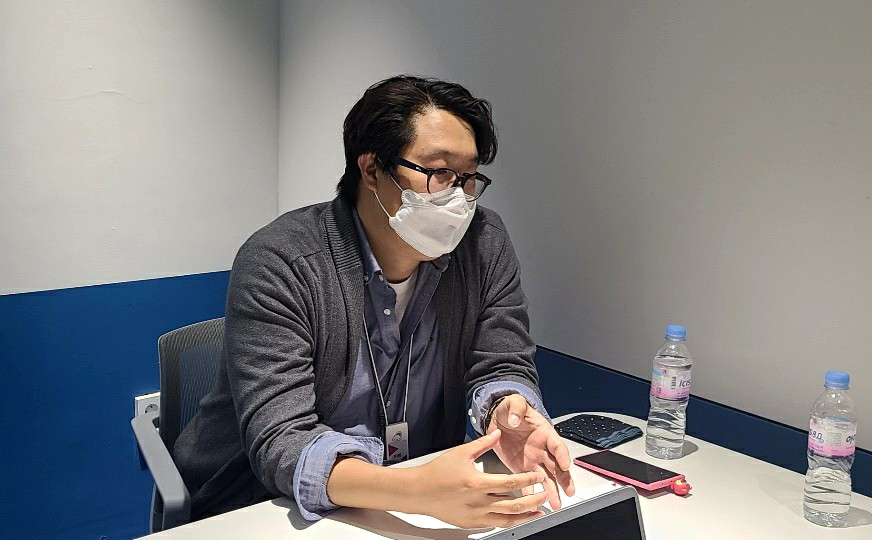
point(357, 331)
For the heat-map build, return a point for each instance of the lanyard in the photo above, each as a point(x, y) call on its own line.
point(396, 436)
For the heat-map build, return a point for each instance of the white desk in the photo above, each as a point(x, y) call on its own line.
point(734, 496)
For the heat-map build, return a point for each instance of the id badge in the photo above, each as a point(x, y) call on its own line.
point(397, 441)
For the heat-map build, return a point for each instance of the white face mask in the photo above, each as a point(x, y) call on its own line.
point(433, 224)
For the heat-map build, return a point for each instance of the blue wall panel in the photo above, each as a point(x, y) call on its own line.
point(571, 385)
point(73, 359)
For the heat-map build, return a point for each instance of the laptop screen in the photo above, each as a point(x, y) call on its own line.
point(618, 522)
point(613, 514)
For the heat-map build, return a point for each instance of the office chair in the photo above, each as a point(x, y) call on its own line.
point(189, 358)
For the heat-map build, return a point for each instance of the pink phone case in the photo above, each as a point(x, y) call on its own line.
point(665, 483)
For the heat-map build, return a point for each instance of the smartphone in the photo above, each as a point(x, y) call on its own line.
point(628, 470)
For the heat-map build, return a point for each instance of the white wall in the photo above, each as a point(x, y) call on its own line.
point(697, 162)
point(138, 139)
point(330, 53)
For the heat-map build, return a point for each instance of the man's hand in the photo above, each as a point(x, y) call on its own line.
point(530, 443)
point(453, 490)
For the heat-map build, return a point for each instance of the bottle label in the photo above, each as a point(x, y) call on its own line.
point(836, 439)
point(670, 383)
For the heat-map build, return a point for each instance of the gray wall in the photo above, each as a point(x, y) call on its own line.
point(698, 162)
point(138, 139)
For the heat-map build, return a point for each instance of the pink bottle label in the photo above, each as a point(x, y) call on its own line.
point(670, 383)
point(835, 439)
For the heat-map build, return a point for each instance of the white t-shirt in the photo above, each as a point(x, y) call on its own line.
point(405, 290)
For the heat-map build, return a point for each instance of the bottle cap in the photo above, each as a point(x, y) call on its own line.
point(676, 332)
point(837, 379)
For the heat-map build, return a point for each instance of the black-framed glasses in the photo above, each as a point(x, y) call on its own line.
point(473, 184)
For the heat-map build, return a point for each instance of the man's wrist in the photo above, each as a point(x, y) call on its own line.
point(490, 413)
point(484, 396)
point(358, 484)
point(411, 482)
point(403, 487)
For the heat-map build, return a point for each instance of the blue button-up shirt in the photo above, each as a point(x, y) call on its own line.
point(356, 422)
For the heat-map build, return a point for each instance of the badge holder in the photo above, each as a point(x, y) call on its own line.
point(397, 442)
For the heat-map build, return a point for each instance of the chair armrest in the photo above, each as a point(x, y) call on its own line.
point(167, 480)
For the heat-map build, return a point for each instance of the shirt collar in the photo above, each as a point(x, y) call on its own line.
point(371, 269)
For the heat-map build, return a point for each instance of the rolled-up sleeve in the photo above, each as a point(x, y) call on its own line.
point(316, 462)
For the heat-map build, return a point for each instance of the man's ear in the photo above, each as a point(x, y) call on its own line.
point(368, 169)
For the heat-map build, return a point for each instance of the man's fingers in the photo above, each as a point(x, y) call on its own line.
point(549, 464)
point(560, 455)
point(512, 410)
point(555, 476)
point(552, 493)
point(484, 443)
point(507, 483)
point(565, 481)
point(559, 450)
point(519, 505)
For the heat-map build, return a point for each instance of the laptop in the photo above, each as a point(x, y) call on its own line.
point(614, 514)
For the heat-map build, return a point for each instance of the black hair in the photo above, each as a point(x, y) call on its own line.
point(382, 122)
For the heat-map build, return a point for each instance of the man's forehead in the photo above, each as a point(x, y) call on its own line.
point(447, 154)
point(439, 134)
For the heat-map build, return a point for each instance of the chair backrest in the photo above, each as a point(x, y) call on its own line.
point(189, 359)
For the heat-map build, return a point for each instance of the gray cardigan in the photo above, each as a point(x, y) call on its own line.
point(293, 328)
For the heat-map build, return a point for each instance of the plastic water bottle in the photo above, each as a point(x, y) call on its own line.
point(670, 390)
point(831, 433)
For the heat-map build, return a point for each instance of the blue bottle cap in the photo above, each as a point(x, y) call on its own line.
point(837, 380)
point(676, 332)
